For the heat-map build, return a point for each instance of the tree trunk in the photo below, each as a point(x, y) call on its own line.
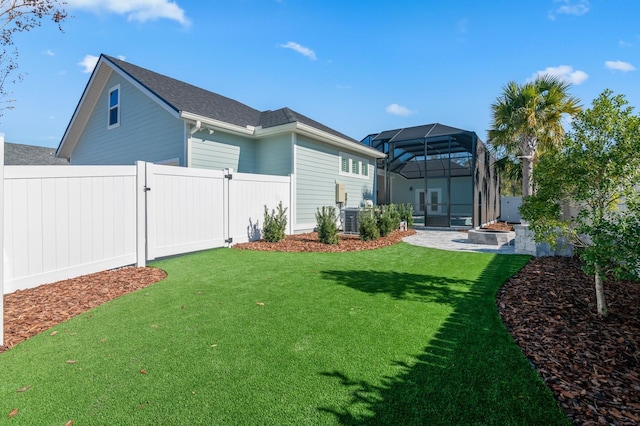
point(527, 176)
point(600, 300)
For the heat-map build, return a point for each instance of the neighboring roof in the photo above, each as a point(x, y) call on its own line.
point(29, 155)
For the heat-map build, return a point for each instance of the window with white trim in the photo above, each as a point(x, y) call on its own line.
point(344, 164)
point(114, 107)
point(353, 166)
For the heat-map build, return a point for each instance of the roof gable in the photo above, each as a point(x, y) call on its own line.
point(184, 97)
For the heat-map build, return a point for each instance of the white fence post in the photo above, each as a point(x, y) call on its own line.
point(228, 175)
point(292, 203)
point(141, 213)
point(2, 239)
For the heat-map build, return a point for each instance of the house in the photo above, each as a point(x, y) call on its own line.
point(446, 174)
point(16, 154)
point(128, 113)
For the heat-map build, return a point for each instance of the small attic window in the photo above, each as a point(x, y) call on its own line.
point(114, 107)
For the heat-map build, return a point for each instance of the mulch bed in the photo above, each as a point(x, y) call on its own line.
point(309, 243)
point(591, 364)
point(29, 312)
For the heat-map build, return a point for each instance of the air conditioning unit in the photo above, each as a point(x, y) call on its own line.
point(350, 223)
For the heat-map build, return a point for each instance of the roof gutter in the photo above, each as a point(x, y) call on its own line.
point(209, 122)
point(305, 129)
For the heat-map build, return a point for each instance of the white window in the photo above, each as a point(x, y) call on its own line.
point(353, 166)
point(114, 107)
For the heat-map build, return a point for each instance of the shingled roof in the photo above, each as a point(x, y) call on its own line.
point(30, 155)
point(184, 97)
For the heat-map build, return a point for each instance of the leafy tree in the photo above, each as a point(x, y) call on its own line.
point(527, 120)
point(597, 175)
point(18, 16)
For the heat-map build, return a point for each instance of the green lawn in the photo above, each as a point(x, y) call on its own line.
point(400, 335)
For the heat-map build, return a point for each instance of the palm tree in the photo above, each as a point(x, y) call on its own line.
point(527, 120)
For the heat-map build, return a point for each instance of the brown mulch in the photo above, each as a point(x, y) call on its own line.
point(500, 226)
point(309, 243)
point(28, 312)
point(591, 364)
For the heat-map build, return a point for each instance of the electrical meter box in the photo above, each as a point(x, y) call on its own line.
point(341, 195)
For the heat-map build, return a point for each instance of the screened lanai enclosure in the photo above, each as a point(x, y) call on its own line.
point(444, 172)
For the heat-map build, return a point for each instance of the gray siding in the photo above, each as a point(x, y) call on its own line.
point(317, 173)
point(147, 131)
point(221, 150)
point(273, 155)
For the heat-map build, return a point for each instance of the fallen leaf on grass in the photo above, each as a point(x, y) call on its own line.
point(13, 413)
point(53, 333)
point(260, 303)
point(143, 371)
point(71, 361)
point(26, 388)
point(69, 423)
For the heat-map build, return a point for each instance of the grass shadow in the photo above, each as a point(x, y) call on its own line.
point(471, 372)
point(400, 285)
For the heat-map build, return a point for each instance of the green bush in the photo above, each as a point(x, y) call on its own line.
point(326, 221)
point(388, 219)
point(406, 214)
point(275, 224)
point(368, 225)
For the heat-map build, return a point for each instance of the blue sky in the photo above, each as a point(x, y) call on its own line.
point(359, 67)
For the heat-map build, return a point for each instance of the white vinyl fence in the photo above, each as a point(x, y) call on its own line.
point(197, 209)
point(65, 221)
point(61, 222)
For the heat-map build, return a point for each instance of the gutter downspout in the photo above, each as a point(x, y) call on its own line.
point(195, 128)
point(192, 131)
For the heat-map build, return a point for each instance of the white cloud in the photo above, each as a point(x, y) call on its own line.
point(48, 52)
point(135, 10)
point(570, 7)
point(619, 66)
point(396, 109)
point(305, 51)
point(563, 72)
point(88, 63)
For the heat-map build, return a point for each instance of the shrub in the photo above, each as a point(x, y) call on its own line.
point(275, 224)
point(326, 220)
point(368, 225)
point(388, 219)
point(406, 214)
